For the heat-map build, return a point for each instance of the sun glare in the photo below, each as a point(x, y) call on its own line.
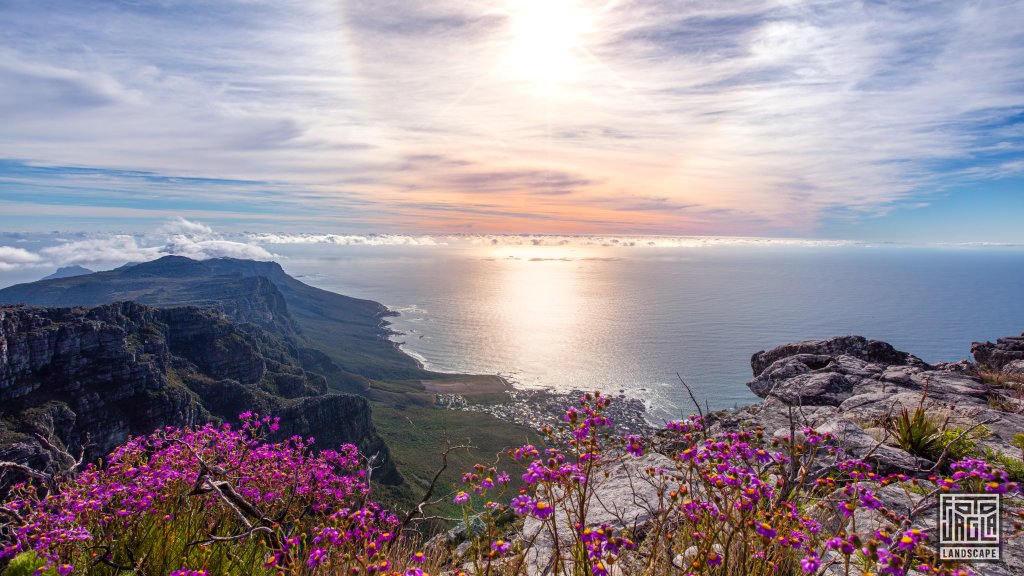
point(546, 37)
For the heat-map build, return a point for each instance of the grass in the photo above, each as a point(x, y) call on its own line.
point(415, 434)
point(999, 379)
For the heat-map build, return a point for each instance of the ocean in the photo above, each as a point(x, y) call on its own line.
point(628, 319)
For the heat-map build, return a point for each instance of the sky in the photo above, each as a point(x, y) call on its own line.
point(884, 121)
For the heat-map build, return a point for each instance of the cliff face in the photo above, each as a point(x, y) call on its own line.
point(124, 369)
point(343, 338)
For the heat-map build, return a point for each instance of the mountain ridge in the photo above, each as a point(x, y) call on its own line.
point(93, 377)
point(352, 333)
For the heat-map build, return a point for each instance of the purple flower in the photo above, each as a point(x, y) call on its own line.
point(542, 510)
point(910, 539)
point(810, 563)
point(634, 445)
point(500, 547)
point(522, 505)
point(316, 557)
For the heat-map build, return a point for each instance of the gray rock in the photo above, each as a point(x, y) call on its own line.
point(1003, 352)
point(1014, 367)
point(857, 346)
point(859, 444)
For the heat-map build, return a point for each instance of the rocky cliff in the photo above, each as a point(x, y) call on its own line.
point(95, 376)
point(853, 386)
point(344, 338)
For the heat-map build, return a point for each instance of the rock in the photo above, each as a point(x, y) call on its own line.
point(867, 382)
point(1003, 352)
point(859, 444)
point(1014, 367)
point(813, 389)
point(857, 346)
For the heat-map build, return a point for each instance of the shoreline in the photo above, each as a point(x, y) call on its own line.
point(499, 396)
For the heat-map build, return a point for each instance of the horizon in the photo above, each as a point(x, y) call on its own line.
point(764, 119)
point(26, 256)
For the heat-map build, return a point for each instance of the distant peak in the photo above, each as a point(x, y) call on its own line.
point(68, 272)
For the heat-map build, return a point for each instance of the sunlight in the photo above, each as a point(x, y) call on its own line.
point(545, 39)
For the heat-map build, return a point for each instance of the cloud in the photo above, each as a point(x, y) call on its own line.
point(538, 240)
point(181, 226)
point(343, 240)
point(120, 248)
point(758, 117)
point(205, 249)
point(178, 237)
point(12, 258)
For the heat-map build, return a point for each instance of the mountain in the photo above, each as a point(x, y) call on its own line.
point(68, 272)
point(94, 377)
point(341, 337)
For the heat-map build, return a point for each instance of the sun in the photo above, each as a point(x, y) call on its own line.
point(547, 35)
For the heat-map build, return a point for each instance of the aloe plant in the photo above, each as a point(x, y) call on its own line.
point(916, 433)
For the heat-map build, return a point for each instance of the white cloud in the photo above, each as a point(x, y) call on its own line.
point(12, 258)
point(178, 237)
point(113, 249)
point(605, 241)
point(181, 226)
point(180, 245)
point(765, 115)
point(344, 239)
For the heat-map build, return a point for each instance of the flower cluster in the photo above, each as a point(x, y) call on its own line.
point(733, 503)
point(209, 500)
point(225, 500)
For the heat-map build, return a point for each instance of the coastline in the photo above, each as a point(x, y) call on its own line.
point(498, 396)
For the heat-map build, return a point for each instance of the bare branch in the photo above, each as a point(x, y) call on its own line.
point(690, 393)
point(254, 530)
point(418, 510)
point(945, 450)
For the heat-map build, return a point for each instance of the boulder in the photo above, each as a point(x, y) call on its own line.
point(995, 356)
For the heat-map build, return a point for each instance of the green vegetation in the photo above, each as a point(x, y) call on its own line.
point(956, 442)
point(916, 432)
point(1013, 466)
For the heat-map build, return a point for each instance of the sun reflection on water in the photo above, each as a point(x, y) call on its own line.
point(539, 296)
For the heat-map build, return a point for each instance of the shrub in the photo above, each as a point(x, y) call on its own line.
point(1018, 441)
point(735, 504)
point(916, 432)
point(218, 500)
point(214, 498)
point(1014, 467)
point(956, 442)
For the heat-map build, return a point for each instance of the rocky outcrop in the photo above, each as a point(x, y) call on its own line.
point(851, 386)
point(855, 346)
point(95, 376)
point(1007, 354)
